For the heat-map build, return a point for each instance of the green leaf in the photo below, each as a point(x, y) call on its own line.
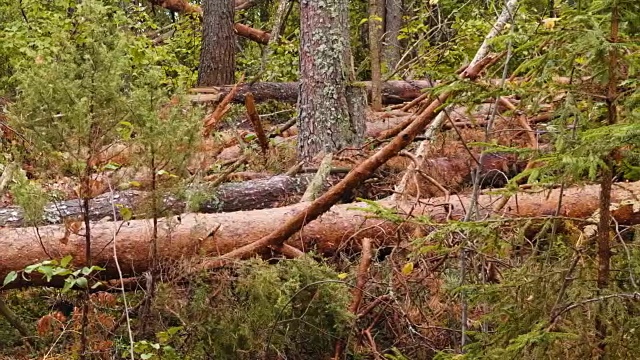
point(66, 260)
point(82, 282)
point(126, 214)
point(111, 166)
point(60, 271)
point(146, 356)
point(68, 284)
point(407, 268)
point(47, 271)
point(10, 277)
point(29, 269)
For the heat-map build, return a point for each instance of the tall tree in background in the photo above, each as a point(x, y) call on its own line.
point(393, 24)
point(375, 36)
point(331, 112)
point(217, 57)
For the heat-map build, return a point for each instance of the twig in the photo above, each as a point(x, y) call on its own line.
point(294, 169)
point(120, 277)
point(222, 177)
point(434, 182)
point(522, 120)
point(289, 251)
point(397, 129)
point(283, 128)
point(507, 14)
point(632, 296)
point(429, 134)
point(284, 8)
point(358, 290)
point(415, 102)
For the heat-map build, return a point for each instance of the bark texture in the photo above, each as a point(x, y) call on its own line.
point(375, 36)
point(247, 195)
point(393, 24)
point(264, 193)
point(330, 110)
point(393, 92)
point(217, 57)
point(340, 229)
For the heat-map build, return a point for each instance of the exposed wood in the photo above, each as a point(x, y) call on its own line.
point(326, 201)
point(257, 35)
point(343, 227)
point(215, 117)
point(254, 117)
point(393, 91)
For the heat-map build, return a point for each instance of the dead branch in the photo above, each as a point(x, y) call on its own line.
point(361, 280)
point(211, 121)
point(253, 116)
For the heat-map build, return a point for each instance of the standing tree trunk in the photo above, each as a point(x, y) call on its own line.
point(217, 57)
point(375, 34)
point(331, 111)
point(393, 24)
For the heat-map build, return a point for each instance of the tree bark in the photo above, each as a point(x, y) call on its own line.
point(331, 111)
point(375, 36)
point(393, 24)
point(271, 192)
point(393, 92)
point(217, 57)
point(247, 195)
point(342, 228)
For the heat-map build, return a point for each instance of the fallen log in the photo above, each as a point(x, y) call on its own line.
point(273, 191)
point(393, 92)
point(247, 195)
point(341, 228)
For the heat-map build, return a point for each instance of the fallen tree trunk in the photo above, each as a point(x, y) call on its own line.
point(270, 192)
point(393, 92)
point(341, 228)
point(247, 195)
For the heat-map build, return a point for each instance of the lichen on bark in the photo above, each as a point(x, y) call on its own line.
point(331, 112)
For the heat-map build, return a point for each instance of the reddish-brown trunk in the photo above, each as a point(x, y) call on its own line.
point(192, 235)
